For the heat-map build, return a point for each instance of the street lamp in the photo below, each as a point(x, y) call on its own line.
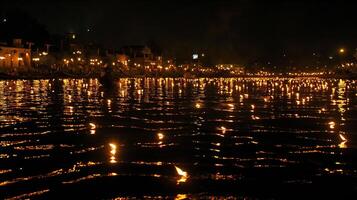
point(341, 50)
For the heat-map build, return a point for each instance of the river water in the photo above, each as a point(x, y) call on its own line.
point(175, 138)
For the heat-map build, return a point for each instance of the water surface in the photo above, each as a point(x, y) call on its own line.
point(246, 138)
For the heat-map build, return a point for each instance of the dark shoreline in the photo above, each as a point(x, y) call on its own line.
point(118, 77)
point(52, 74)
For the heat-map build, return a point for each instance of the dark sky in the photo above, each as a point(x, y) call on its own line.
point(227, 30)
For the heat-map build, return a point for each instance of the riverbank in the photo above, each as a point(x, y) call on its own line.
point(34, 74)
point(66, 76)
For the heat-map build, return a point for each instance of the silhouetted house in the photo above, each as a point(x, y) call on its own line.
point(70, 43)
point(231, 68)
point(122, 59)
point(140, 56)
point(14, 56)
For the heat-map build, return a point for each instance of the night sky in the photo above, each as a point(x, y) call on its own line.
point(228, 31)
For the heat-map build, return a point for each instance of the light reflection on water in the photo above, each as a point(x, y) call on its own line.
point(209, 135)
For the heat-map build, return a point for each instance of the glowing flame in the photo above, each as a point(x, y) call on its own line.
point(343, 138)
point(223, 129)
point(180, 171)
point(253, 106)
point(92, 125)
point(342, 145)
point(198, 105)
point(332, 124)
point(183, 175)
point(113, 174)
point(160, 136)
point(113, 151)
point(113, 148)
point(181, 197)
point(255, 117)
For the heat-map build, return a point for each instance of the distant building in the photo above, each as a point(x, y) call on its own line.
point(70, 43)
point(140, 56)
point(231, 68)
point(15, 56)
point(122, 59)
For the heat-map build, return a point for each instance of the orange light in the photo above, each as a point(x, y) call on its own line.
point(113, 151)
point(160, 136)
point(183, 175)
